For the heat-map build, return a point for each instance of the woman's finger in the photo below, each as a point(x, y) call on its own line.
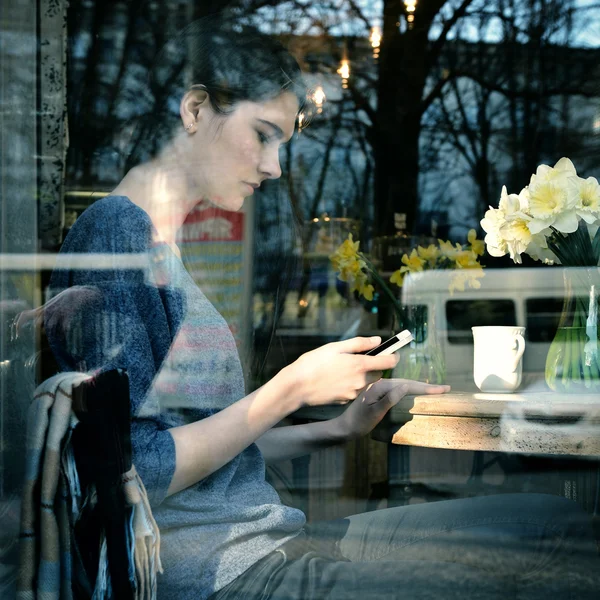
point(379, 363)
point(397, 393)
point(373, 376)
point(419, 387)
point(358, 344)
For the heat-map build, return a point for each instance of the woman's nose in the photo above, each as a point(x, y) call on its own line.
point(270, 165)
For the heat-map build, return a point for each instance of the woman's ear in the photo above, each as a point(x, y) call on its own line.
point(192, 106)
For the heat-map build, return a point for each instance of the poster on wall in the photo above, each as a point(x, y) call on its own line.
point(216, 247)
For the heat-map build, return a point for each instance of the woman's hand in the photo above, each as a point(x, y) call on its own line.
point(59, 311)
point(374, 403)
point(335, 373)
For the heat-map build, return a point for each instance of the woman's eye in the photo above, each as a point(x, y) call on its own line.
point(262, 138)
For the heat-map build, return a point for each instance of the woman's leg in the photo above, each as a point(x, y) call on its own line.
point(312, 576)
point(533, 547)
point(541, 544)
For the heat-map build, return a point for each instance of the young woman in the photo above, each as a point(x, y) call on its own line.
point(225, 533)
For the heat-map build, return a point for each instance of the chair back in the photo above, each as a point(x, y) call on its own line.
point(102, 449)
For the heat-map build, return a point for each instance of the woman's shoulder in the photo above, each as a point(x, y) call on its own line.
point(116, 209)
point(113, 222)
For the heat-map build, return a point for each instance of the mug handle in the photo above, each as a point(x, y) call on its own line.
point(520, 340)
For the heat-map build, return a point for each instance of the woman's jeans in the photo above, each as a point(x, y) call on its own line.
point(524, 546)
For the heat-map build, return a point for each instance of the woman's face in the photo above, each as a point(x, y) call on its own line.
point(237, 152)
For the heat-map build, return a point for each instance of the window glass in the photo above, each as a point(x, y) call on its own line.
point(416, 319)
point(543, 317)
point(202, 194)
point(461, 315)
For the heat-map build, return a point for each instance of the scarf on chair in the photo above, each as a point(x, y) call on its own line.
point(52, 501)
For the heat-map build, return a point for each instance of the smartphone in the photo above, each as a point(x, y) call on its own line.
point(394, 343)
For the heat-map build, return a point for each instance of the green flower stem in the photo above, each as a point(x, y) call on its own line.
point(558, 252)
point(567, 359)
point(594, 371)
point(589, 363)
point(587, 375)
point(574, 249)
point(576, 354)
point(576, 359)
point(586, 244)
point(596, 248)
point(563, 250)
point(381, 283)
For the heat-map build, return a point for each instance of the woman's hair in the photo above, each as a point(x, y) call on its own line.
point(234, 63)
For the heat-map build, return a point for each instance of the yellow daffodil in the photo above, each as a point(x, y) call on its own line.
point(354, 268)
point(397, 278)
point(346, 255)
point(478, 246)
point(467, 259)
point(367, 291)
point(361, 285)
point(463, 278)
point(413, 262)
point(347, 250)
point(429, 254)
point(350, 269)
point(448, 250)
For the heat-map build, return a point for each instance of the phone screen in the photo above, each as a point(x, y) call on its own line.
point(394, 343)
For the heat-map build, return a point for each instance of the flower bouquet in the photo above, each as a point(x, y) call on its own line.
point(425, 361)
point(555, 220)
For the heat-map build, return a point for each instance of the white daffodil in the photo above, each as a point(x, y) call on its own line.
point(509, 203)
point(538, 250)
point(491, 224)
point(524, 200)
point(585, 196)
point(550, 205)
point(559, 172)
point(495, 219)
point(515, 232)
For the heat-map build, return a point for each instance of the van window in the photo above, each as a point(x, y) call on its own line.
point(461, 315)
point(543, 316)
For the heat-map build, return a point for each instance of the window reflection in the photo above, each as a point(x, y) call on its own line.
point(398, 154)
point(461, 315)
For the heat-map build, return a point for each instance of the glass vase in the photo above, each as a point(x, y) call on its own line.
point(573, 360)
point(423, 358)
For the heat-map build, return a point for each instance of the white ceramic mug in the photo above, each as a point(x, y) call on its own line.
point(498, 353)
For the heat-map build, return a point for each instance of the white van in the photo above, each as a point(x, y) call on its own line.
point(527, 297)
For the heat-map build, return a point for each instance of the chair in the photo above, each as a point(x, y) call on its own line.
point(102, 448)
point(79, 494)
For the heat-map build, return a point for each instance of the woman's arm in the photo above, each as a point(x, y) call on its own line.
point(284, 443)
point(204, 446)
point(333, 373)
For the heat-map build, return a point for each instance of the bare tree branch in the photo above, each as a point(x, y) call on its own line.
point(362, 102)
point(436, 90)
point(468, 131)
point(359, 13)
point(568, 88)
point(437, 46)
point(454, 134)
